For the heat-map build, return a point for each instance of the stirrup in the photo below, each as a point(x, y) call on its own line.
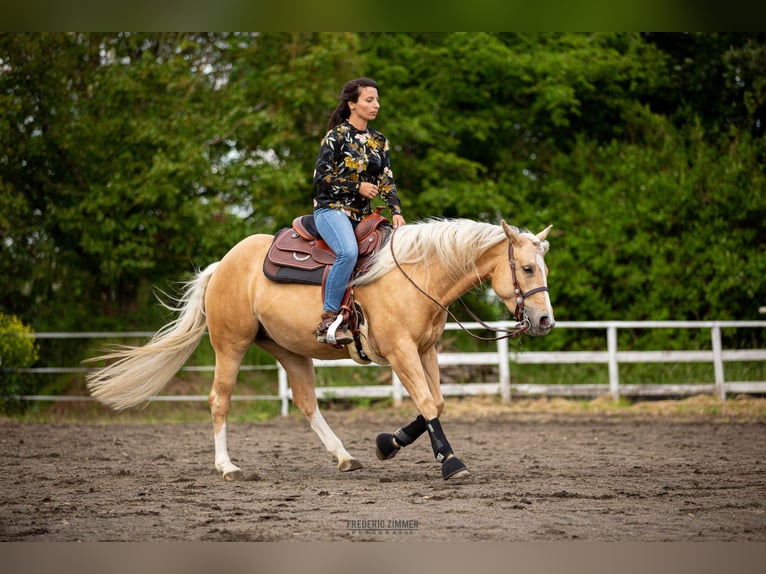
point(333, 337)
point(336, 333)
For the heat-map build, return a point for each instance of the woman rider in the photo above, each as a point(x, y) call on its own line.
point(353, 167)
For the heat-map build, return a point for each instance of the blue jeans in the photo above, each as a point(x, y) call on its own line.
point(337, 230)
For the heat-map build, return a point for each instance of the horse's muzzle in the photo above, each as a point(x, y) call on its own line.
point(539, 326)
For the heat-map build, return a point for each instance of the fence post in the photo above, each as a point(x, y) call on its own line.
point(504, 370)
point(396, 389)
point(720, 389)
point(283, 390)
point(614, 369)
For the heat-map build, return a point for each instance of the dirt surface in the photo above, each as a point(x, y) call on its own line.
point(534, 477)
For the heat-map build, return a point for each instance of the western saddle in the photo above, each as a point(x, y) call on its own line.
point(299, 255)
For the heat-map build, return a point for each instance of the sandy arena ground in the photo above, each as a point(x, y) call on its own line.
point(535, 477)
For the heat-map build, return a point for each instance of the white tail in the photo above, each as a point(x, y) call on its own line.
point(139, 373)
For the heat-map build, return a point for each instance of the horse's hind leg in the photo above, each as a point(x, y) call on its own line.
point(226, 370)
point(301, 377)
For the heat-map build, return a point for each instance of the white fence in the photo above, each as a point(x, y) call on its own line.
point(503, 358)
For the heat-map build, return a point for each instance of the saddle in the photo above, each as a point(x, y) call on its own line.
point(299, 255)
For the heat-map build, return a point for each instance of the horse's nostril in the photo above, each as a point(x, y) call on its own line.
point(545, 321)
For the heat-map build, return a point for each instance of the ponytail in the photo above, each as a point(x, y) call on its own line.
point(339, 115)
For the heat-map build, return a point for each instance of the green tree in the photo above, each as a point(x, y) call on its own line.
point(127, 159)
point(476, 113)
point(715, 79)
point(286, 84)
point(105, 163)
point(648, 163)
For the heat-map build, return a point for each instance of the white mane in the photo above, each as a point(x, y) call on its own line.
point(454, 242)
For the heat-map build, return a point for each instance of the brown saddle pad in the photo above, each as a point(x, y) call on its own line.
point(298, 255)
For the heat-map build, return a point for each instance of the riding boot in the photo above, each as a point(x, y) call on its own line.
point(332, 330)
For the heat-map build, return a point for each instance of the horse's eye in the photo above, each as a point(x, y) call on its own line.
point(528, 269)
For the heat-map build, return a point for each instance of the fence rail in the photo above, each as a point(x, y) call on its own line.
point(502, 358)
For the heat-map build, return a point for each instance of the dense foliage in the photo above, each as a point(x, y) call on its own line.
point(127, 160)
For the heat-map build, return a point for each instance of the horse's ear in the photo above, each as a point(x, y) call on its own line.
point(509, 231)
point(544, 233)
point(543, 243)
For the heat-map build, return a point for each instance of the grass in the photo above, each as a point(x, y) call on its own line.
point(741, 408)
point(637, 373)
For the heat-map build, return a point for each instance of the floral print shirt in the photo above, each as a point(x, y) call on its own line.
point(348, 157)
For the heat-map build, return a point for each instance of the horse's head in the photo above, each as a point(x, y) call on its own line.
point(521, 280)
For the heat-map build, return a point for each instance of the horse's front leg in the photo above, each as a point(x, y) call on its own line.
point(388, 445)
point(422, 383)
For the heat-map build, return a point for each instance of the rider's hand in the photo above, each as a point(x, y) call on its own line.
point(368, 190)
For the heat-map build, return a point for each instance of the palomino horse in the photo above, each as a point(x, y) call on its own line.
point(405, 294)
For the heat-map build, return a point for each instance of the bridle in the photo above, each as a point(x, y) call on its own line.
point(522, 320)
point(520, 314)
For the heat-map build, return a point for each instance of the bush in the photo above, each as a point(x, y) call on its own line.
point(17, 351)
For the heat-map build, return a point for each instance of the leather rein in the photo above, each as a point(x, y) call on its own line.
point(522, 320)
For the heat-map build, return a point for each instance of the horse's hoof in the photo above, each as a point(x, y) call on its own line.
point(349, 465)
point(460, 474)
point(453, 468)
point(385, 448)
point(234, 476)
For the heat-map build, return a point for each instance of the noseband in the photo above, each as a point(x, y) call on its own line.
point(522, 320)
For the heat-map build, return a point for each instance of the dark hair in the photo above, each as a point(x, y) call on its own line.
point(350, 93)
